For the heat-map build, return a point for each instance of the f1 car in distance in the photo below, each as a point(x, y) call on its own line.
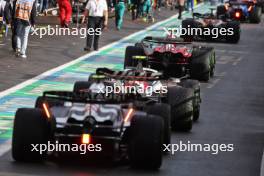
point(241, 10)
point(125, 126)
point(173, 57)
point(182, 95)
point(210, 21)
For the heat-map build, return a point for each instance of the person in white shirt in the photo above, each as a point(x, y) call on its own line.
point(97, 13)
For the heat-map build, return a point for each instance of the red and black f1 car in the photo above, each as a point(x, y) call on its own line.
point(211, 27)
point(173, 57)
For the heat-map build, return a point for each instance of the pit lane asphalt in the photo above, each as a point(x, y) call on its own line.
point(232, 112)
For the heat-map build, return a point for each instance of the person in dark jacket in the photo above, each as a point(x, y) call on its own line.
point(136, 9)
point(9, 20)
point(24, 14)
point(5, 13)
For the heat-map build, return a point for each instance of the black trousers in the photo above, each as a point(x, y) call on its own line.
point(1, 25)
point(159, 2)
point(95, 23)
point(13, 27)
point(135, 11)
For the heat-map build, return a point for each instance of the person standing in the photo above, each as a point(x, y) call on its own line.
point(181, 7)
point(189, 3)
point(45, 6)
point(97, 12)
point(5, 13)
point(146, 7)
point(13, 26)
point(135, 9)
point(119, 12)
point(65, 12)
point(24, 14)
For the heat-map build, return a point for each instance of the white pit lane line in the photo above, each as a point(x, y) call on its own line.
point(215, 81)
point(237, 61)
point(5, 147)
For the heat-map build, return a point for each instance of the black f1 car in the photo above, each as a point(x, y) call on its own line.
point(173, 57)
point(241, 10)
point(125, 126)
point(182, 95)
point(211, 27)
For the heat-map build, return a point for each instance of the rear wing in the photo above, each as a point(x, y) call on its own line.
point(98, 98)
point(164, 40)
point(205, 15)
point(241, 2)
point(132, 75)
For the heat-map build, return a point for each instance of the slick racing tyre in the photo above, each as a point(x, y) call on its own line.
point(220, 11)
point(195, 85)
point(261, 5)
point(181, 101)
point(146, 139)
point(212, 64)
point(129, 53)
point(162, 110)
point(235, 26)
point(188, 23)
point(30, 127)
point(202, 64)
point(255, 15)
point(81, 85)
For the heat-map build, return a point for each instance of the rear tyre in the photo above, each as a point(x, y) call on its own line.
point(163, 110)
point(235, 25)
point(220, 11)
point(195, 85)
point(255, 15)
point(188, 23)
point(201, 64)
point(30, 127)
point(145, 148)
point(181, 101)
point(262, 7)
point(129, 53)
point(212, 64)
